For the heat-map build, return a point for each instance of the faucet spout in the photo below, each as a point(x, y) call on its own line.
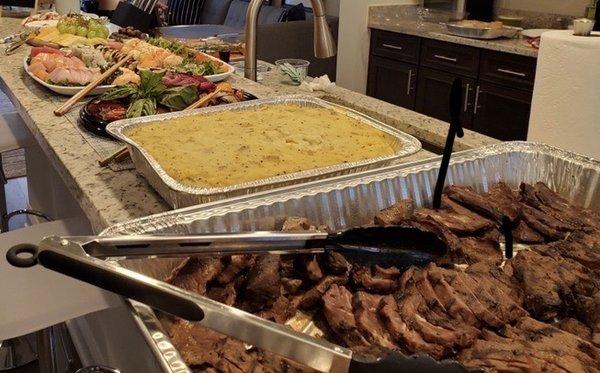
point(324, 44)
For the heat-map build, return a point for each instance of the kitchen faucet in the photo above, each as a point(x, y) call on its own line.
point(324, 44)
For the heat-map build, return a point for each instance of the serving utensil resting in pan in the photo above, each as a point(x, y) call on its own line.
point(78, 257)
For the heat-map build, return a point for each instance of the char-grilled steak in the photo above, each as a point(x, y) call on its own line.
point(264, 283)
point(337, 307)
point(470, 305)
point(396, 213)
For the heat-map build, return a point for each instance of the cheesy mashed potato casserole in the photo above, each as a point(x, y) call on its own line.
point(233, 147)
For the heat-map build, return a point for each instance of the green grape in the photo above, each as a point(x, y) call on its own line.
point(92, 34)
point(62, 28)
point(82, 31)
point(71, 29)
point(104, 33)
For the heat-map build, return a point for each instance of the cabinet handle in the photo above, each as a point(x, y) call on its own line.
point(467, 90)
point(440, 57)
point(391, 46)
point(510, 72)
point(408, 84)
point(478, 91)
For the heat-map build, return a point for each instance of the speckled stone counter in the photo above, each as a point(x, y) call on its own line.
point(392, 18)
point(109, 197)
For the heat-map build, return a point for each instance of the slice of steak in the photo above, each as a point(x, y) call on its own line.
point(575, 327)
point(503, 277)
point(546, 225)
point(505, 200)
point(449, 298)
point(403, 335)
point(562, 209)
point(365, 313)
point(552, 284)
point(196, 273)
point(225, 295)
point(264, 283)
point(281, 311)
point(473, 250)
point(310, 267)
point(391, 273)
point(291, 286)
point(525, 234)
point(396, 213)
point(576, 247)
point(313, 297)
point(437, 314)
point(237, 264)
point(476, 202)
point(198, 346)
point(295, 224)
point(337, 263)
point(365, 278)
point(457, 223)
point(337, 308)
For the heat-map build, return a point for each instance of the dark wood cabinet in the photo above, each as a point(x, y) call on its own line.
point(392, 81)
point(417, 73)
point(501, 112)
point(433, 90)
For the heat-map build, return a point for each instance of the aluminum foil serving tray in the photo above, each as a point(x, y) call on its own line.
point(180, 195)
point(482, 33)
point(352, 200)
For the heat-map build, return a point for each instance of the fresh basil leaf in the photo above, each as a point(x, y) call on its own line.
point(151, 85)
point(179, 98)
point(119, 92)
point(141, 108)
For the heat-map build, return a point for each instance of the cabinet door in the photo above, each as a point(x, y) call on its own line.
point(502, 113)
point(392, 81)
point(433, 95)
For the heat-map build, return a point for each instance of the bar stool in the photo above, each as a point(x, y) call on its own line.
point(13, 135)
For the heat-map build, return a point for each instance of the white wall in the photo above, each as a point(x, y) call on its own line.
point(353, 42)
point(566, 7)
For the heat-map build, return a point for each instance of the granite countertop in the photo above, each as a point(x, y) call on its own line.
point(109, 197)
point(391, 18)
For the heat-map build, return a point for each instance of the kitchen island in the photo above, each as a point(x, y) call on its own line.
point(107, 197)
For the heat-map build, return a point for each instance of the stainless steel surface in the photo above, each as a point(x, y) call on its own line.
point(445, 58)
point(482, 33)
point(409, 82)
point(391, 46)
point(180, 195)
point(315, 353)
point(324, 44)
point(467, 91)
point(147, 246)
point(349, 201)
point(510, 72)
point(476, 106)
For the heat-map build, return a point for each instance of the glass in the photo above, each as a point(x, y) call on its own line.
point(297, 73)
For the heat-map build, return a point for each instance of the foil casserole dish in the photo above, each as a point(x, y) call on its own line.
point(179, 195)
point(457, 29)
point(352, 200)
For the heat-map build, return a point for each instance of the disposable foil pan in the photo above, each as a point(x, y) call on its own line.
point(180, 195)
point(352, 200)
point(482, 33)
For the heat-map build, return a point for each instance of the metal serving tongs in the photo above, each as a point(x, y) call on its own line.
point(78, 257)
point(16, 41)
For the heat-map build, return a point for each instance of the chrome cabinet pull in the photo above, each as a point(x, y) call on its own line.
point(391, 46)
point(409, 82)
point(510, 72)
point(467, 90)
point(478, 91)
point(440, 57)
